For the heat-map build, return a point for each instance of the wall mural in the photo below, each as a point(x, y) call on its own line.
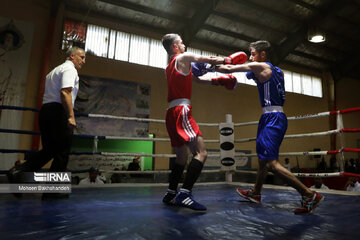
point(15, 47)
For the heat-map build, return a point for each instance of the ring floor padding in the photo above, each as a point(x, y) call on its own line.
point(137, 213)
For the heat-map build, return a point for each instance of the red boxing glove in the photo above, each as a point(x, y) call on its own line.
point(236, 58)
point(228, 81)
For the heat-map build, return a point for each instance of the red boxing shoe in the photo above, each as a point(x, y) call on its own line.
point(308, 204)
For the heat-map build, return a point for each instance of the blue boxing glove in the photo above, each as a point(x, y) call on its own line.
point(199, 69)
point(250, 75)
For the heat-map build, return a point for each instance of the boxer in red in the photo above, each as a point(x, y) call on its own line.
point(183, 130)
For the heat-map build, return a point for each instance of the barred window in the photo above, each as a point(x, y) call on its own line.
point(97, 40)
point(122, 46)
point(158, 56)
point(303, 84)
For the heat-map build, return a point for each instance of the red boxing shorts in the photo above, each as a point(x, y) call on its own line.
point(181, 126)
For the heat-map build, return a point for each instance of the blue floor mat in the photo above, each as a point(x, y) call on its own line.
point(138, 213)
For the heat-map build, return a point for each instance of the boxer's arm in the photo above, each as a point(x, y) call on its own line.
point(226, 80)
point(184, 60)
point(261, 70)
point(206, 79)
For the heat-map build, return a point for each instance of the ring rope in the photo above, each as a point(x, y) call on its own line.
point(332, 174)
point(173, 155)
point(326, 133)
point(316, 134)
point(156, 171)
point(19, 108)
point(307, 116)
point(103, 137)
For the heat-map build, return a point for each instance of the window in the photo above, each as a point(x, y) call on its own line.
point(193, 50)
point(303, 84)
point(97, 40)
point(317, 87)
point(307, 85)
point(288, 81)
point(112, 42)
point(158, 56)
point(122, 46)
point(139, 50)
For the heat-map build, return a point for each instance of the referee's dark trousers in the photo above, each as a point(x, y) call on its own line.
point(56, 139)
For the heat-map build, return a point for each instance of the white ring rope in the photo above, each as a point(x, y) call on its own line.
point(126, 118)
point(144, 154)
point(285, 154)
point(317, 134)
point(157, 171)
point(332, 174)
point(210, 155)
point(152, 139)
point(308, 116)
point(144, 119)
point(301, 117)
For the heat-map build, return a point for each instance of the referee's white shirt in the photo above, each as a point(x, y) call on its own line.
point(63, 76)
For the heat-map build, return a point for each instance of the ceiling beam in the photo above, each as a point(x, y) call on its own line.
point(329, 8)
point(325, 48)
point(317, 11)
point(225, 48)
point(346, 68)
point(300, 65)
point(228, 33)
point(246, 21)
point(142, 27)
point(144, 9)
point(197, 21)
point(267, 10)
point(312, 57)
point(335, 35)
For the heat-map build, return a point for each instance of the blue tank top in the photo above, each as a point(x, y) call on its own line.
point(272, 91)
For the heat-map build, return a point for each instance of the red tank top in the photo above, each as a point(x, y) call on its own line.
point(179, 85)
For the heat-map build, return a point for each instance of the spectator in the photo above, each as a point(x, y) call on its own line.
point(334, 166)
point(352, 166)
point(352, 185)
point(322, 166)
point(346, 166)
point(134, 165)
point(287, 164)
point(102, 177)
point(93, 177)
point(318, 184)
point(119, 177)
point(75, 180)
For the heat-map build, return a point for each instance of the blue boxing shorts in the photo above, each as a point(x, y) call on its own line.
point(270, 133)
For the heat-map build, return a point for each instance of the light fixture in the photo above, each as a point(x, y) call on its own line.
point(315, 35)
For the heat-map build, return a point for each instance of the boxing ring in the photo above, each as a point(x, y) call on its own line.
point(135, 211)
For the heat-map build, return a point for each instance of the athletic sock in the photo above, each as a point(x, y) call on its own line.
point(175, 176)
point(193, 172)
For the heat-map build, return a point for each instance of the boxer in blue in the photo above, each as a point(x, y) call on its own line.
point(272, 125)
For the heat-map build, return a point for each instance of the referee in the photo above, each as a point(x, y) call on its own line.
point(56, 117)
